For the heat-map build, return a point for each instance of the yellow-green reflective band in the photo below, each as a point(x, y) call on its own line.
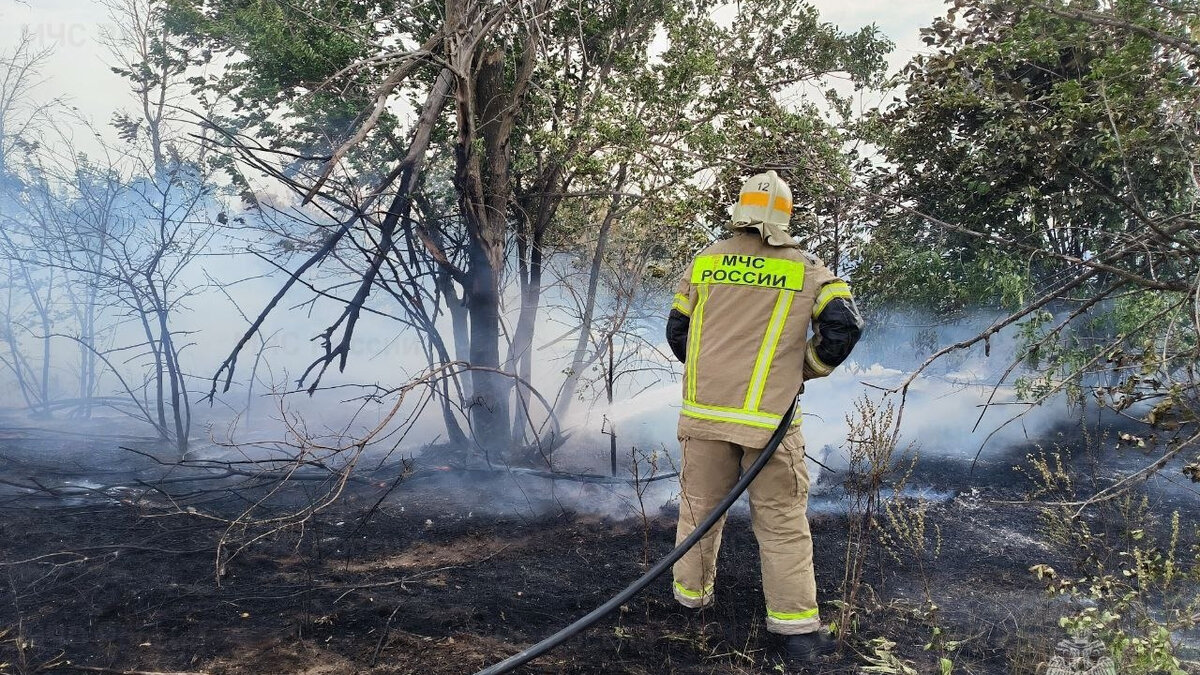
point(689, 593)
point(766, 351)
point(748, 270)
point(837, 289)
point(749, 418)
point(683, 304)
point(797, 616)
point(693, 353)
point(816, 363)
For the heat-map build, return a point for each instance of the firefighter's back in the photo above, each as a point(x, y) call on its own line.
point(751, 306)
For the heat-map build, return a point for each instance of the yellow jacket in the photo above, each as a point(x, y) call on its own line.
point(740, 323)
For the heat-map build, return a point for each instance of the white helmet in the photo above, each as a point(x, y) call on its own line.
point(765, 205)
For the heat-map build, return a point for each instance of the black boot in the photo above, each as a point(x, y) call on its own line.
point(808, 649)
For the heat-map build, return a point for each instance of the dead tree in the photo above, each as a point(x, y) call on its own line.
point(120, 232)
point(30, 289)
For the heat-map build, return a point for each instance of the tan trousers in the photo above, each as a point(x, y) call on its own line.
point(778, 506)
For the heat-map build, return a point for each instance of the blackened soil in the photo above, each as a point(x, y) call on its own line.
point(427, 585)
point(429, 589)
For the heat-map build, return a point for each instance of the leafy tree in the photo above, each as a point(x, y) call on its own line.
point(517, 111)
point(1043, 160)
point(1061, 137)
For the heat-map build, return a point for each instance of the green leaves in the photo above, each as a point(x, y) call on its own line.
point(1042, 158)
point(1041, 129)
point(277, 58)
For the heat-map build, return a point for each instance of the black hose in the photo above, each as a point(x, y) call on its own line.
point(661, 566)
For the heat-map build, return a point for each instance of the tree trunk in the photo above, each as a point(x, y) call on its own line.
point(539, 205)
point(156, 348)
point(567, 395)
point(482, 181)
point(180, 409)
point(46, 331)
point(460, 332)
point(487, 99)
point(520, 355)
point(609, 376)
point(11, 337)
point(40, 385)
point(454, 431)
point(87, 378)
point(489, 407)
point(459, 322)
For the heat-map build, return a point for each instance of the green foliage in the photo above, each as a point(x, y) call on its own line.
point(1156, 317)
point(897, 274)
point(275, 59)
point(1029, 127)
point(602, 96)
point(1055, 360)
point(1041, 161)
point(283, 46)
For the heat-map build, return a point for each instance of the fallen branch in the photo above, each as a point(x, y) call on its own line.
point(117, 671)
point(550, 475)
point(82, 557)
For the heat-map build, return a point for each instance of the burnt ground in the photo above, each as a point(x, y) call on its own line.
point(427, 583)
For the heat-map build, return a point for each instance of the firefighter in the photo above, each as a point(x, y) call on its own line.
point(740, 324)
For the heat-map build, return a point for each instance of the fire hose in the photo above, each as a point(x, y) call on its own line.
point(507, 665)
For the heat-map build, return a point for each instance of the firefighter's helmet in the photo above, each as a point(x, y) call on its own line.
point(765, 198)
point(765, 205)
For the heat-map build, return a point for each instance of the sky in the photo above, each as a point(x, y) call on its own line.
point(900, 20)
point(79, 67)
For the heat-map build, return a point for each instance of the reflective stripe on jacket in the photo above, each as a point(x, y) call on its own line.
point(746, 308)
